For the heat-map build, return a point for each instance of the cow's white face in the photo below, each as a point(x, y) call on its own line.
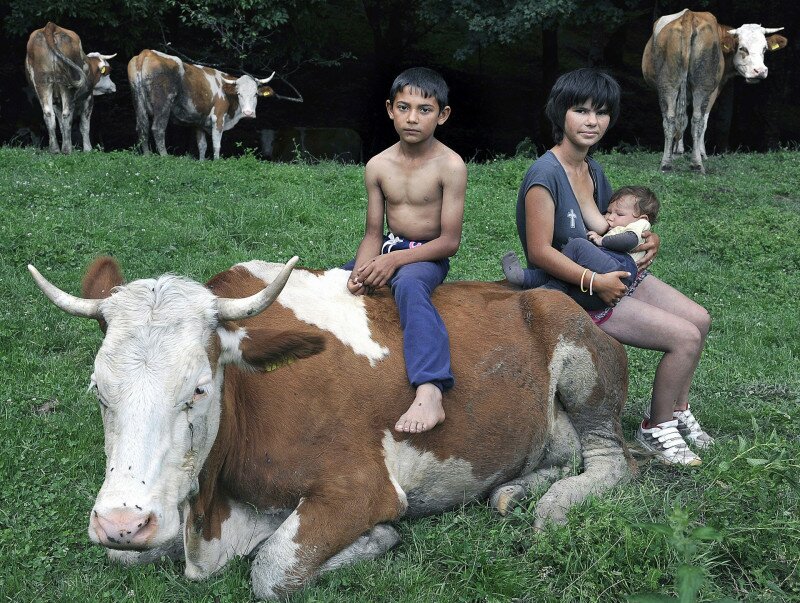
point(748, 59)
point(160, 401)
point(104, 85)
point(247, 90)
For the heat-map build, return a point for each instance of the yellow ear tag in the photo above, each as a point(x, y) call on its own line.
point(103, 69)
point(775, 46)
point(266, 93)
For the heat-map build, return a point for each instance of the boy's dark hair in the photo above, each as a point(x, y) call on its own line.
point(647, 203)
point(427, 81)
point(576, 87)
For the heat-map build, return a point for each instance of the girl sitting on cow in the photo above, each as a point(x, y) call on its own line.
point(563, 196)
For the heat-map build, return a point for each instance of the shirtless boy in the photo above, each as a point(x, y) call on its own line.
point(417, 185)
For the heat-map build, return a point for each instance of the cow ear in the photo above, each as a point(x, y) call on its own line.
point(101, 277)
point(229, 89)
point(265, 91)
point(268, 349)
point(728, 41)
point(776, 42)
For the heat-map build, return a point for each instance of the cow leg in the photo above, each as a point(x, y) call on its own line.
point(45, 94)
point(563, 452)
point(592, 392)
point(161, 114)
point(668, 98)
point(681, 120)
point(142, 117)
point(210, 542)
point(699, 105)
point(86, 116)
point(67, 106)
point(506, 496)
point(711, 100)
point(318, 530)
point(378, 541)
point(216, 139)
point(202, 144)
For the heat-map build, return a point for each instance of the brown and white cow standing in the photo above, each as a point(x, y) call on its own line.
point(690, 55)
point(61, 74)
point(208, 99)
point(270, 429)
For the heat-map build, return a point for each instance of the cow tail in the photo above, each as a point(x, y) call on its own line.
point(50, 39)
point(140, 100)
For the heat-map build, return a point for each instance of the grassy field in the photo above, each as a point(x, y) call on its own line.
point(730, 528)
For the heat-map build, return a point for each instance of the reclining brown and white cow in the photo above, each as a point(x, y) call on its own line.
point(163, 85)
point(270, 429)
point(61, 74)
point(690, 56)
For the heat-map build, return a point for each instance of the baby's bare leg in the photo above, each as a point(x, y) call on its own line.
point(425, 412)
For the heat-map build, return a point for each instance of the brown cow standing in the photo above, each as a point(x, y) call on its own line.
point(231, 427)
point(60, 72)
point(164, 86)
point(690, 55)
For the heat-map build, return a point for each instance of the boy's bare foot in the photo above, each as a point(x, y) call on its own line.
point(425, 412)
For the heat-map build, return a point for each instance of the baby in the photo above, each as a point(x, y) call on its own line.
point(631, 211)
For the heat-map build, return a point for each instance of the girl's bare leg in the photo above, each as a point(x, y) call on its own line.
point(658, 317)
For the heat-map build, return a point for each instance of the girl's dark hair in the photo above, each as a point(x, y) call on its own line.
point(576, 87)
point(425, 80)
point(647, 203)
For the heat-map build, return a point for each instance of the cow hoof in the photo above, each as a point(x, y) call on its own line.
point(666, 168)
point(698, 168)
point(505, 498)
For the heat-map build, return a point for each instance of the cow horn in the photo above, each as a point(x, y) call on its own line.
point(266, 79)
point(237, 309)
point(107, 57)
point(227, 81)
point(77, 306)
point(771, 30)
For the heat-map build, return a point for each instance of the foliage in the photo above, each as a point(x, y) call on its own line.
point(247, 30)
point(728, 242)
point(120, 25)
point(509, 21)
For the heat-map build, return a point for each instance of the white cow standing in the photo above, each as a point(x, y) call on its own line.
point(690, 55)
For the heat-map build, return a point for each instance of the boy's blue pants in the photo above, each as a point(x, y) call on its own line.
point(426, 345)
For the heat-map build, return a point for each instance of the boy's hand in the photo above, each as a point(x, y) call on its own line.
point(651, 244)
point(354, 286)
point(595, 238)
point(377, 271)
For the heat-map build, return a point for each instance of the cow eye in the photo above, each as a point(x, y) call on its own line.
point(199, 392)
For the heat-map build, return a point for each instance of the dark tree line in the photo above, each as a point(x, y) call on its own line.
point(499, 56)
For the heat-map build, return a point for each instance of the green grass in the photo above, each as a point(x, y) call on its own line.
point(729, 240)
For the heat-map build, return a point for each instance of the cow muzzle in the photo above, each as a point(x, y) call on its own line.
point(125, 528)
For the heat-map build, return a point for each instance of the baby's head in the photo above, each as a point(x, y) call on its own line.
point(631, 203)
